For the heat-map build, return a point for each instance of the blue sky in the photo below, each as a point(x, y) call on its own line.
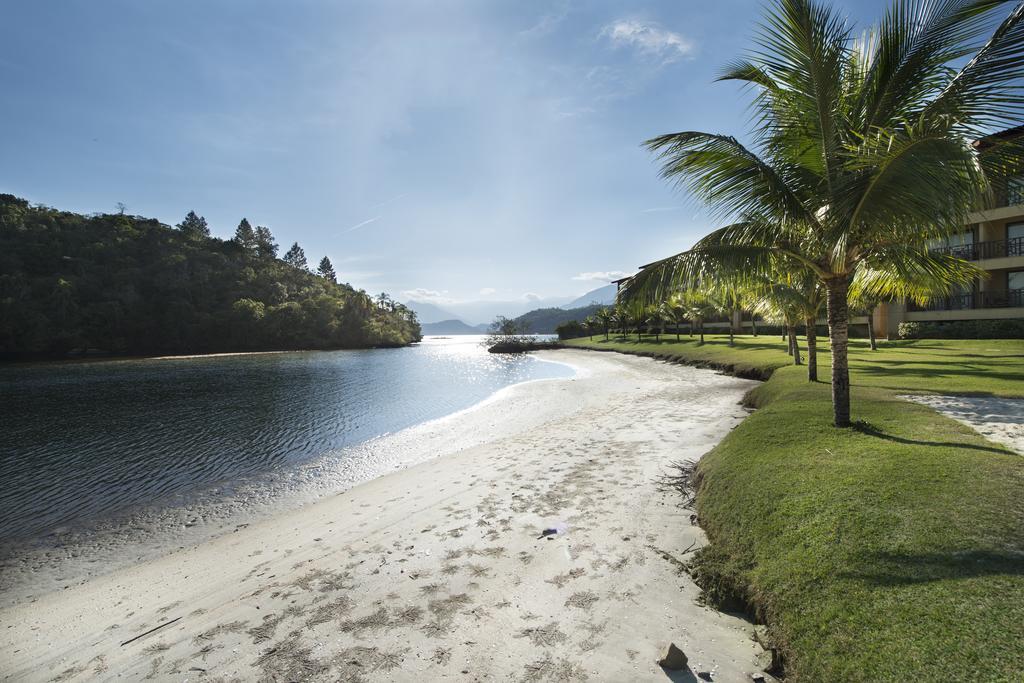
point(447, 151)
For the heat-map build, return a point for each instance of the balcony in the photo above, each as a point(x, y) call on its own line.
point(985, 250)
point(1007, 298)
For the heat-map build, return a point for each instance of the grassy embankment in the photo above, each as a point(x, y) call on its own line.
point(894, 551)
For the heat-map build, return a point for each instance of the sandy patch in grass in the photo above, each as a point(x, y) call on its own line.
point(998, 419)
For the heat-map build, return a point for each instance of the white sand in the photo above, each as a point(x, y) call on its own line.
point(998, 419)
point(436, 571)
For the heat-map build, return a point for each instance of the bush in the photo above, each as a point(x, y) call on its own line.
point(571, 330)
point(963, 329)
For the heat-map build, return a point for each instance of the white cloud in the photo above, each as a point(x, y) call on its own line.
point(431, 296)
point(359, 225)
point(487, 291)
point(530, 296)
point(601, 275)
point(649, 39)
point(549, 21)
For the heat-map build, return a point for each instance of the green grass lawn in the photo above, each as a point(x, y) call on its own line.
point(894, 551)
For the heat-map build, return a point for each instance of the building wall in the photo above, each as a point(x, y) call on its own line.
point(987, 226)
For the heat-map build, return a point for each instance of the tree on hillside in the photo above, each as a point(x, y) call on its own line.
point(128, 284)
point(194, 227)
point(326, 270)
point(296, 257)
point(245, 236)
point(266, 247)
point(862, 154)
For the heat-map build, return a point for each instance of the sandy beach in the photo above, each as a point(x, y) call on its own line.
point(440, 571)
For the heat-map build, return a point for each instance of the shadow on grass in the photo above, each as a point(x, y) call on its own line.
point(943, 371)
point(719, 342)
point(902, 569)
point(870, 430)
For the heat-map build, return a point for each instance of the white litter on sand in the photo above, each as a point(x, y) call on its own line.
point(998, 419)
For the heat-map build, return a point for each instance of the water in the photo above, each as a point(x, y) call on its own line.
point(86, 443)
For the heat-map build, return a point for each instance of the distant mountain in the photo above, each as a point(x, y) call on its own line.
point(602, 295)
point(545, 320)
point(429, 313)
point(452, 327)
point(484, 311)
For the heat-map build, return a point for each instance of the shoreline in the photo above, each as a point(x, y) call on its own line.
point(121, 358)
point(437, 568)
point(34, 568)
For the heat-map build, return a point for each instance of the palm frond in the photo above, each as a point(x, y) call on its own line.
point(731, 179)
point(910, 272)
point(987, 93)
point(916, 40)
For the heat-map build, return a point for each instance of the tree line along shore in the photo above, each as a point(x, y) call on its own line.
point(117, 284)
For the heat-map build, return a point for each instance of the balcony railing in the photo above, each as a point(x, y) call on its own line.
point(1007, 298)
point(985, 250)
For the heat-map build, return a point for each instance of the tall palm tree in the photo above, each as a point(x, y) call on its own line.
point(862, 152)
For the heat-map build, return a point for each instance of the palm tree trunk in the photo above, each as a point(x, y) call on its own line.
point(701, 326)
point(871, 329)
point(606, 333)
point(753, 323)
point(796, 346)
point(838, 334)
point(691, 329)
point(812, 350)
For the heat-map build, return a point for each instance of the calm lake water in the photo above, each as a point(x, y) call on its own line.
point(84, 442)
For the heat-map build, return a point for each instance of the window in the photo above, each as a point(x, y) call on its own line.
point(1014, 191)
point(1015, 280)
point(1015, 239)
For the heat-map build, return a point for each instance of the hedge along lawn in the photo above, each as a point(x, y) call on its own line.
point(890, 552)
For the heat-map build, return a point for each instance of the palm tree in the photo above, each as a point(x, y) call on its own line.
point(699, 306)
point(795, 298)
point(621, 318)
point(656, 320)
point(674, 310)
point(867, 304)
point(605, 316)
point(861, 154)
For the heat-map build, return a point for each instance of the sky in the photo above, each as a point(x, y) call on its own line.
point(449, 152)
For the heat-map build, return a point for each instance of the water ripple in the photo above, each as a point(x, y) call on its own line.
point(86, 443)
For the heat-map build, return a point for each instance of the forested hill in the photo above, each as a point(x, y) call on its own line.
point(114, 283)
point(545, 320)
